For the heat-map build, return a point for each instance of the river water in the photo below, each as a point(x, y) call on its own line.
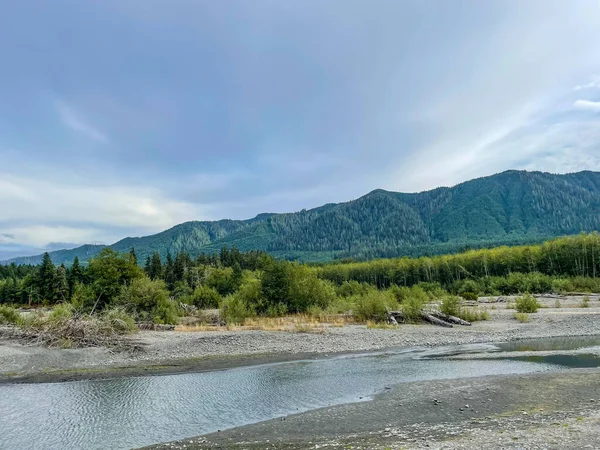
point(133, 412)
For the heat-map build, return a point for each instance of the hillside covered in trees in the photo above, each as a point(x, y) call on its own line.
point(513, 207)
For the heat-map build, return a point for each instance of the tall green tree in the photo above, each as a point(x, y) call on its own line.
point(133, 256)
point(61, 284)
point(155, 271)
point(108, 273)
point(45, 279)
point(75, 274)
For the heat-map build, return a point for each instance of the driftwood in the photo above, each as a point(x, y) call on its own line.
point(451, 319)
point(154, 326)
point(433, 317)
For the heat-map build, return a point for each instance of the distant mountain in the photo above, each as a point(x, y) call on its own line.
point(507, 208)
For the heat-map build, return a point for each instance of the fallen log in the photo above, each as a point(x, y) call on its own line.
point(396, 317)
point(434, 320)
point(447, 318)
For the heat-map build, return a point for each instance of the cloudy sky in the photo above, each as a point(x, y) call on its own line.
point(125, 117)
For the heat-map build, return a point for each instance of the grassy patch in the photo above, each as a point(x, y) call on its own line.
point(522, 317)
point(526, 304)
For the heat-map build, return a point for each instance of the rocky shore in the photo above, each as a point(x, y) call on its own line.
point(174, 351)
point(557, 410)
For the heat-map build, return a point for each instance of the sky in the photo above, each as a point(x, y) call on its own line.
point(125, 117)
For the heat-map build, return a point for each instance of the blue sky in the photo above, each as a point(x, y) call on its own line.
point(125, 117)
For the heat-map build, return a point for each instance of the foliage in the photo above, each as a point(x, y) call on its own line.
point(9, 315)
point(120, 320)
point(374, 305)
point(450, 305)
point(585, 302)
point(412, 307)
point(526, 304)
point(206, 297)
point(473, 314)
point(148, 300)
point(522, 317)
point(62, 311)
point(108, 273)
point(469, 295)
point(352, 288)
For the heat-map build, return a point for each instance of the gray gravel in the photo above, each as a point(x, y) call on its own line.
point(196, 346)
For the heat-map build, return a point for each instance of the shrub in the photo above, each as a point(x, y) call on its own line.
point(234, 310)
point(562, 285)
point(527, 304)
point(237, 307)
point(521, 317)
point(412, 307)
point(400, 293)
point(585, 302)
point(450, 305)
point(118, 319)
point(473, 314)
point(165, 312)
point(84, 297)
point(352, 288)
point(9, 315)
point(63, 311)
point(205, 297)
point(467, 286)
point(433, 290)
point(148, 300)
point(469, 295)
point(373, 306)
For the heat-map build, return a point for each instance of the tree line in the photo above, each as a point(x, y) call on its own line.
point(244, 284)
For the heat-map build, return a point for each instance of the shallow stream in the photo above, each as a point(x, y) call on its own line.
point(133, 412)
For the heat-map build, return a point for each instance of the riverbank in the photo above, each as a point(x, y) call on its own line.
point(557, 410)
point(175, 352)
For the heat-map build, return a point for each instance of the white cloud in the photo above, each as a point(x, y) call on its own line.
point(49, 211)
point(587, 105)
point(593, 84)
point(73, 120)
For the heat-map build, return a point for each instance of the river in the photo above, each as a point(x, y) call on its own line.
point(133, 412)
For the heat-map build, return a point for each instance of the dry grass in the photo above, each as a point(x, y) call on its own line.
point(381, 326)
point(522, 317)
point(298, 323)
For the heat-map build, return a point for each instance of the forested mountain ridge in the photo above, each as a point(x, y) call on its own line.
point(510, 207)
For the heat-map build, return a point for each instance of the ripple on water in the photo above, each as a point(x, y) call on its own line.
point(133, 412)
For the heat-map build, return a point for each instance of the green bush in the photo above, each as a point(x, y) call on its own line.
point(433, 290)
point(60, 312)
point(237, 307)
point(412, 307)
point(9, 315)
point(526, 304)
point(205, 297)
point(118, 319)
point(373, 306)
point(467, 286)
point(352, 288)
point(148, 299)
point(562, 285)
point(473, 314)
point(234, 310)
point(469, 295)
point(450, 305)
point(522, 317)
point(585, 302)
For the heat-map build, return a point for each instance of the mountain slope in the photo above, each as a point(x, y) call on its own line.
point(510, 207)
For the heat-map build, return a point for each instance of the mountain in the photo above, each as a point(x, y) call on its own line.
point(508, 208)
